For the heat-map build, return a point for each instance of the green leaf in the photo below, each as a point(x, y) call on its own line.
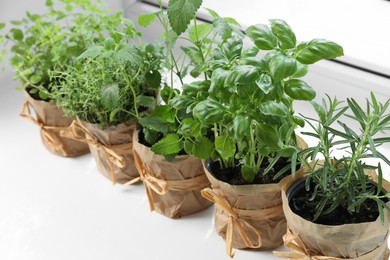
point(145, 101)
point(248, 173)
point(2, 25)
point(130, 53)
point(225, 146)
point(17, 34)
point(35, 79)
point(49, 3)
point(301, 71)
point(209, 112)
point(299, 90)
point(284, 33)
point(146, 19)
point(268, 135)
point(165, 113)
point(320, 111)
point(262, 36)
point(181, 12)
point(282, 66)
point(317, 49)
point(110, 96)
point(153, 78)
point(171, 39)
point(243, 74)
point(170, 144)
point(212, 12)
point(272, 108)
point(241, 126)
point(222, 27)
point(191, 127)
point(154, 123)
point(299, 121)
point(199, 32)
point(203, 148)
point(265, 83)
point(91, 52)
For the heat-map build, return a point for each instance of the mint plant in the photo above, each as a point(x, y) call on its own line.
point(169, 129)
point(341, 181)
point(249, 104)
point(51, 41)
point(114, 80)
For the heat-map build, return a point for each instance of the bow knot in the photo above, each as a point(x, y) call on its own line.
point(114, 153)
point(161, 186)
point(47, 131)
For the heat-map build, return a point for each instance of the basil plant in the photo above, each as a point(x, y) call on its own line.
point(245, 105)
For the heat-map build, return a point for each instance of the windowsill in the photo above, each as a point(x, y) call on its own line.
point(359, 26)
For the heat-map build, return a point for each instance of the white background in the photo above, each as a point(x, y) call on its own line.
point(54, 208)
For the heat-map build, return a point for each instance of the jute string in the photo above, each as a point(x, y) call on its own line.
point(301, 252)
point(161, 186)
point(238, 217)
point(113, 153)
point(47, 131)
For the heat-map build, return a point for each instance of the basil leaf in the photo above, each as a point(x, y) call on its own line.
point(299, 90)
point(262, 36)
point(282, 66)
point(284, 33)
point(317, 49)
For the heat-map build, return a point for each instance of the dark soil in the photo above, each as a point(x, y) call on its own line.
point(302, 206)
point(233, 175)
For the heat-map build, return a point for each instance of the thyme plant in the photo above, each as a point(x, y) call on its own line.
point(341, 181)
point(114, 80)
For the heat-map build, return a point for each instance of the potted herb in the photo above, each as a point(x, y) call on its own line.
point(338, 207)
point(111, 84)
point(40, 44)
point(173, 179)
point(249, 113)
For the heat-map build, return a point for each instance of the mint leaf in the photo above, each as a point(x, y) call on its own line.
point(110, 96)
point(203, 148)
point(146, 19)
point(170, 144)
point(181, 12)
point(200, 31)
point(225, 146)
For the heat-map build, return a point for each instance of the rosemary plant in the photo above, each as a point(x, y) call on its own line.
point(341, 181)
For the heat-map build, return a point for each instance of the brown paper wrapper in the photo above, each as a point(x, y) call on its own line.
point(363, 241)
point(111, 148)
point(248, 216)
point(259, 205)
point(51, 121)
point(173, 187)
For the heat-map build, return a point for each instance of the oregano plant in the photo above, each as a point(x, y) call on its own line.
point(41, 43)
point(340, 181)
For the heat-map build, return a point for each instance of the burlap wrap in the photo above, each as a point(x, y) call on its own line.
point(51, 121)
point(248, 216)
point(111, 147)
point(173, 188)
point(364, 241)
